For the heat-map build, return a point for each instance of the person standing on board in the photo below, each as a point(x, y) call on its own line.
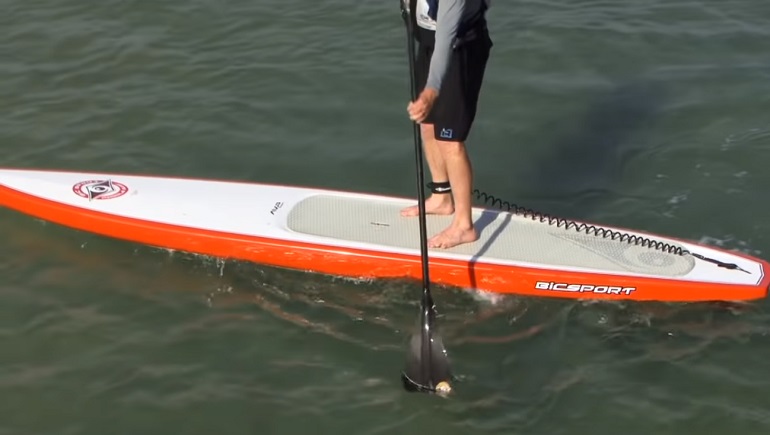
point(454, 47)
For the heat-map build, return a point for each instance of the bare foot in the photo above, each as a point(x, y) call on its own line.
point(452, 237)
point(436, 204)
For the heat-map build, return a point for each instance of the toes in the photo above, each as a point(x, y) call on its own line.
point(437, 242)
point(434, 242)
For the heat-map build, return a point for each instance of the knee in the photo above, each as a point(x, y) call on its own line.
point(452, 149)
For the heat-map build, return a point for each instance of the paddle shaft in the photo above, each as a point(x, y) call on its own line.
point(427, 300)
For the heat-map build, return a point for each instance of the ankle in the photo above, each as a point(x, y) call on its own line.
point(440, 187)
point(441, 199)
point(463, 224)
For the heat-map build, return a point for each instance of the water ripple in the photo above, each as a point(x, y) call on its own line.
point(650, 114)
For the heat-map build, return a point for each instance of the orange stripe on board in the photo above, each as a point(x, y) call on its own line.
point(358, 263)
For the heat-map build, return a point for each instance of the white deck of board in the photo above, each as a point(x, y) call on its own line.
point(333, 219)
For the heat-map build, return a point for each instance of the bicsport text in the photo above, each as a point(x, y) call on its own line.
point(588, 288)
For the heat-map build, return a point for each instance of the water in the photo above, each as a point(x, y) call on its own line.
point(651, 115)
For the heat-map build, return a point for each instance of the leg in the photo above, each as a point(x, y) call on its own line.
point(454, 116)
point(437, 203)
point(460, 174)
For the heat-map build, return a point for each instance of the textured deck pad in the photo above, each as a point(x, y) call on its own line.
point(504, 237)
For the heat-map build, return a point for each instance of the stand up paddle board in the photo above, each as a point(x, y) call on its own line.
point(363, 236)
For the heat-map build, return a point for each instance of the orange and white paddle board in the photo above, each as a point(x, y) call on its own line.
point(361, 235)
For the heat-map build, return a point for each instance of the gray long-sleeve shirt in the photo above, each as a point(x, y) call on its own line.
point(451, 13)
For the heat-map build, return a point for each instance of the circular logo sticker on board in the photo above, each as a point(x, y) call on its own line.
point(99, 189)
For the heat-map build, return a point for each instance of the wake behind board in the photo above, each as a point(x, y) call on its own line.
point(363, 236)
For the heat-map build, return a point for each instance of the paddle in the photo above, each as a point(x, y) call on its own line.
point(427, 365)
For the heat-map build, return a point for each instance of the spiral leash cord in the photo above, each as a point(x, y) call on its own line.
point(594, 230)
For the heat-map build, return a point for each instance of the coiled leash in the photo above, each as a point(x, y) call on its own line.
point(605, 233)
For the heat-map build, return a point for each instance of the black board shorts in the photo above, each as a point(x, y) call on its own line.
point(455, 108)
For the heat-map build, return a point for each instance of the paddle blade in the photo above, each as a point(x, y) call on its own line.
point(427, 364)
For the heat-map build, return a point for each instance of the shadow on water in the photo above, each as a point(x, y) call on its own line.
point(587, 158)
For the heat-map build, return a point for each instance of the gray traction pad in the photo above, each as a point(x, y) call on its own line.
point(503, 237)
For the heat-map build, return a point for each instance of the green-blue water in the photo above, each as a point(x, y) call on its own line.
point(644, 114)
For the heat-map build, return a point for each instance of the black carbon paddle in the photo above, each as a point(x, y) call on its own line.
point(427, 365)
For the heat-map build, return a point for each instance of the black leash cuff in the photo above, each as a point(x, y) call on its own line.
point(442, 187)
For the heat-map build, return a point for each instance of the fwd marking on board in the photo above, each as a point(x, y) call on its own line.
point(277, 205)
